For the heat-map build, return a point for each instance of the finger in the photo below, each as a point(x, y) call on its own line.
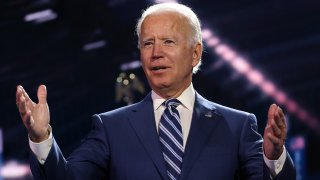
point(19, 100)
point(26, 96)
point(275, 140)
point(281, 121)
point(27, 119)
point(283, 125)
point(22, 105)
point(280, 132)
point(18, 94)
point(275, 129)
point(271, 112)
point(42, 94)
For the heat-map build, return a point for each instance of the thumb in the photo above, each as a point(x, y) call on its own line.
point(42, 94)
point(271, 112)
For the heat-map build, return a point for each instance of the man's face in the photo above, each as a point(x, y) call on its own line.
point(167, 53)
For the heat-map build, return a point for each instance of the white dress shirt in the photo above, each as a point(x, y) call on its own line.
point(187, 98)
point(185, 110)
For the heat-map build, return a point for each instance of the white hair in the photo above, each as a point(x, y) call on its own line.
point(191, 17)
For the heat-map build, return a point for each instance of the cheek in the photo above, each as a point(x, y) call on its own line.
point(187, 63)
point(143, 54)
point(143, 61)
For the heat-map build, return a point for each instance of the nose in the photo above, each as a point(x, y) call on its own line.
point(157, 51)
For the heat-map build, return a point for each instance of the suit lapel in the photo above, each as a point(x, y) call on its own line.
point(142, 121)
point(204, 120)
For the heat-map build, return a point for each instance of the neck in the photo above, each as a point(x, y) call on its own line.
point(168, 92)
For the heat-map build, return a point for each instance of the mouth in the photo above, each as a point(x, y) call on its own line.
point(158, 68)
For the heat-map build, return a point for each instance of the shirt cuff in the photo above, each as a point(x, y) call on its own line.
point(42, 149)
point(275, 166)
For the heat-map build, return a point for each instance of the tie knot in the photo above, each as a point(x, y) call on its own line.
point(172, 102)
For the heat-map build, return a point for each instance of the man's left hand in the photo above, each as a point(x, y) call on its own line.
point(275, 133)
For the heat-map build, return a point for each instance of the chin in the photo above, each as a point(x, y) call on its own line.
point(160, 85)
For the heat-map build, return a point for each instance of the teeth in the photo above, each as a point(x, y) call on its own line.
point(158, 68)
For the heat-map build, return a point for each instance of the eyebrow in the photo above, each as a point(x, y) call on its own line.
point(147, 39)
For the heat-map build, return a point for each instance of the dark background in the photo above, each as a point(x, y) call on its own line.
point(281, 39)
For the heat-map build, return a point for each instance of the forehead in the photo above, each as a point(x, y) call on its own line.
point(162, 21)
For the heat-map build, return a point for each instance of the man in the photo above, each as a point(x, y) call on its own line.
point(174, 133)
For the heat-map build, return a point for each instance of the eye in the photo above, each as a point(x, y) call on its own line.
point(169, 42)
point(147, 44)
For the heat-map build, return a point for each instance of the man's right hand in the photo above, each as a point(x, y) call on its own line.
point(35, 117)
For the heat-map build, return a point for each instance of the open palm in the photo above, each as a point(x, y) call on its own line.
point(35, 116)
point(275, 133)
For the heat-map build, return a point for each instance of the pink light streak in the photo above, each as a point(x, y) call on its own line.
point(292, 106)
point(280, 97)
point(13, 169)
point(221, 49)
point(268, 87)
point(241, 65)
point(213, 41)
point(255, 77)
point(206, 34)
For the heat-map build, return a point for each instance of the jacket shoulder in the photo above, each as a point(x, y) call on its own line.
point(117, 113)
point(221, 109)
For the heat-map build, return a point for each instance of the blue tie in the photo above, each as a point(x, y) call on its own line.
point(170, 135)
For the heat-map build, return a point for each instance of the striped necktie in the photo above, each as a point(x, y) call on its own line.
point(170, 135)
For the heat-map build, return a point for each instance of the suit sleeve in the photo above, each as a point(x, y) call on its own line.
point(89, 161)
point(250, 150)
point(251, 157)
point(288, 171)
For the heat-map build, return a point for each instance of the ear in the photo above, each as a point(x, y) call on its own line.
point(197, 53)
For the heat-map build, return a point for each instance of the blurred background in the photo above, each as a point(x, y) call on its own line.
point(256, 53)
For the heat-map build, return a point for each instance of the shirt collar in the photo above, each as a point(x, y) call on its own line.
point(186, 98)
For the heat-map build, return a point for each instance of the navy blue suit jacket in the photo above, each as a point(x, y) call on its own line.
point(223, 144)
